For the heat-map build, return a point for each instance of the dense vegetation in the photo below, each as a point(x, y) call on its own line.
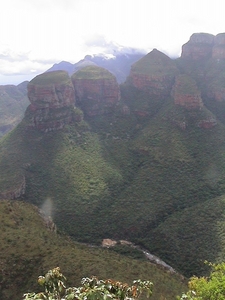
point(207, 288)
point(30, 245)
point(128, 177)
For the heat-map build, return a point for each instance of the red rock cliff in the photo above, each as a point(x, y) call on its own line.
point(186, 93)
point(97, 90)
point(198, 47)
point(52, 100)
point(154, 74)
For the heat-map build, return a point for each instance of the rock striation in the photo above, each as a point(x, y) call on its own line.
point(52, 100)
point(203, 58)
point(204, 46)
point(186, 93)
point(198, 47)
point(154, 74)
point(97, 91)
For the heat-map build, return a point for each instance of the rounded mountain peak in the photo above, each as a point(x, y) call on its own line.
point(92, 72)
point(53, 77)
point(202, 38)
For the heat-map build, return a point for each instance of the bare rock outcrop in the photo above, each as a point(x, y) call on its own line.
point(97, 91)
point(52, 100)
point(108, 243)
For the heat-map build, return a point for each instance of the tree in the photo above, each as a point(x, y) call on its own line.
point(90, 289)
point(207, 288)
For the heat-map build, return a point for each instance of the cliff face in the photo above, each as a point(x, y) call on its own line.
point(154, 73)
point(52, 100)
point(186, 93)
point(97, 91)
point(203, 46)
point(198, 47)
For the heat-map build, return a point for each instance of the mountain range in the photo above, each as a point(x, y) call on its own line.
point(14, 100)
point(141, 161)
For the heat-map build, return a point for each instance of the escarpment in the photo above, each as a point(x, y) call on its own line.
point(52, 100)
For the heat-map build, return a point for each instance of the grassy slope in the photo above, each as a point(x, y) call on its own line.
point(28, 249)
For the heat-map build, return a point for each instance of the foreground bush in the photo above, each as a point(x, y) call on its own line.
point(92, 289)
point(207, 288)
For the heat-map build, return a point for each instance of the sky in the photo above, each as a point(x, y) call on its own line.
point(35, 34)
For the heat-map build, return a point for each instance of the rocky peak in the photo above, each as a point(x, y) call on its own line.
point(52, 100)
point(97, 91)
point(154, 73)
point(198, 47)
point(186, 93)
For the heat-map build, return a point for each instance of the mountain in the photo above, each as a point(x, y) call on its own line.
point(143, 161)
point(97, 91)
point(13, 102)
point(118, 63)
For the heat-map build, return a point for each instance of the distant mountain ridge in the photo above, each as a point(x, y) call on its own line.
point(119, 65)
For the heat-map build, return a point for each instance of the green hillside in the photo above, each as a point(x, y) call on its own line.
point(128, 178)
point(13, 102)
point(29, 247)
point(147, 171)
point(174, 172)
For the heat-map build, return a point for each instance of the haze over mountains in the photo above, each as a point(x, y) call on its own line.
point(142, 161)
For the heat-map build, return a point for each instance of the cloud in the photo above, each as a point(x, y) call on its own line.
point(47, 31)
point(99, 44)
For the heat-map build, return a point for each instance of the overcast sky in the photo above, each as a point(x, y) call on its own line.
point(35, 34)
